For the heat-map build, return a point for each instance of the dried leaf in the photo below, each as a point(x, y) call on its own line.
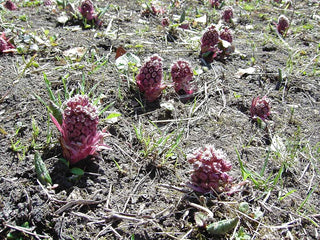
point(120, 51)
point(75, 53)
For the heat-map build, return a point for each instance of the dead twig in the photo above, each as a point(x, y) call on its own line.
point(28, 231)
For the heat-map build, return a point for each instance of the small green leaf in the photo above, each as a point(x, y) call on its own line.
point(56, 111)
point(113, 115)
point(244, 207)
point(183, 16)
point(64, 161)
point(222, 227)
point(41, 170)
point(77, 171)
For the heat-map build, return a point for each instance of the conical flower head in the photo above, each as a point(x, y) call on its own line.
point(10, 5)
point(149, 79)
point(209, 40)
point(80, 137)
point(282, 25)
point(87, 10)
point(260, 108)
point(227, 14)
point(182, 74)
point(226, 35)
point(209, 170)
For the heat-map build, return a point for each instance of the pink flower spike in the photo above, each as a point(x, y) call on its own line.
point(282, 25)
point(10, 5)
point(182, 73)
point(227, 14)
point(87, 10)
point(79, 134)
point(5, 45)
point(226, 35)
point(209, 170)
point(260, 108)
point(215, 3)
point(149, 79)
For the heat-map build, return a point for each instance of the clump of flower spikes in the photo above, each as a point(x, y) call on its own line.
point(10, 5)
point(80, 136)
point(209, 170)
point(282, 25)
point(260, 108)
point(212, 44)
point(182, 73)
point(149, 79)
point(5, 45)
point(227, 14)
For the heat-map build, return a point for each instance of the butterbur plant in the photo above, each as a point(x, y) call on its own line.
point(182, 73)
point(282, 25)
point(88, 13)
point(10, 5)
point(216, 3)
point(216, 44)
point(87, 10)
point(227, 14)
point(5, 45)
point(149, 79)
point(210, 167)
point(225, 34)
point(79, 133)
point(260, 108)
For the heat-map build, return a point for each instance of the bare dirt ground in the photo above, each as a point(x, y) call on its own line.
point(138, 189)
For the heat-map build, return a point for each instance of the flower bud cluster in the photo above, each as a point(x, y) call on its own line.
point(182, 73)
point(260, 108)
point(282, 25)
point(227, 14)
point(80, 137)
point(149, 79)
point(216, 3)
point(87, 11)
point(10, 5)
point(209, 170)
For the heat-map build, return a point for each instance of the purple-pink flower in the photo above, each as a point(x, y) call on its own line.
point(149, 79)
point(210, 167)
point(80, 136)
point(225, 34)
point(282, 25)
point(260, 108)
point(5, 45)
point(215, 3)
point(181, 73)
point(227, 14)
point(87, 10)
point(10, 5)
point(210, 40)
